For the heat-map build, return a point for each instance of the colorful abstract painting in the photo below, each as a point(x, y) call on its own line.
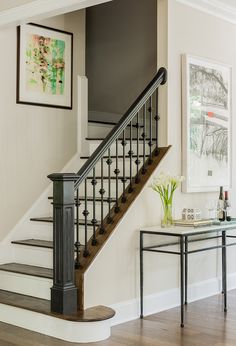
point(206, 125)
point(44, 66)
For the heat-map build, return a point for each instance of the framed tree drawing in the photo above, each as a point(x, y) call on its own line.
point(44, 66)
point(206, 124)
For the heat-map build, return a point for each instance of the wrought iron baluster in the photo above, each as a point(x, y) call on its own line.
point(117, 172)
point(85, 213)
point(77, 243)
point(109, 162)
point(94, 220)
point(137, 161)
point(102, 192)
point(131, 157)
point(150, 131)
point(144, 170)
point(124, 176)
point(157, 118)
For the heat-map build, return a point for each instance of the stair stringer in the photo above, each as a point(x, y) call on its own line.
point(105, 278)
point(25, 228)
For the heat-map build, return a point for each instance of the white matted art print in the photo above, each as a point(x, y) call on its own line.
point(44, 66)
point(206, 124)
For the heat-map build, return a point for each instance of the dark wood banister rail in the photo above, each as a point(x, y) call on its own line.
point(159, 79)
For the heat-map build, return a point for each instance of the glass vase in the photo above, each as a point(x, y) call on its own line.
point(167, 216)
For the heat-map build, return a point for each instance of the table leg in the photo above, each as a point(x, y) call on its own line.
point(186, 270)
point(182, 279)
point(224, 269)
point(141, 274)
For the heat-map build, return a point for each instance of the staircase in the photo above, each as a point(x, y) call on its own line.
point(87, 207)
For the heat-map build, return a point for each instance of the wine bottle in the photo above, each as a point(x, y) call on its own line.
point(220, 206)
point(227, 207)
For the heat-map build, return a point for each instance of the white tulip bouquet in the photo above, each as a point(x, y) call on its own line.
point(165, 185)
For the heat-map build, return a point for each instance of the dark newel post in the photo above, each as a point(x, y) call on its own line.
point(64, 291)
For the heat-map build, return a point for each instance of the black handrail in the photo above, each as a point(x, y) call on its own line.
point(71, 207)
point(159, 79)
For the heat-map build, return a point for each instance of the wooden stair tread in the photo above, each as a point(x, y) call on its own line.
point(104, 122)
point(114, 157)
point(120, 139)
point(35, 242)
point(50, 220)
point(26, 269)
point(94, 314)
point(39, 243)
point(90, 199)
point(105, 177)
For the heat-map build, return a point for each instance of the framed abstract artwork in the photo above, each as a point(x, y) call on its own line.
point(206, 124)
point(44, 66)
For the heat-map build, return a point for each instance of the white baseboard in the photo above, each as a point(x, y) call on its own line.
point(161, 301)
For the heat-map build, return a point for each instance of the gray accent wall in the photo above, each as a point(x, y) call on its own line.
point(121, 54)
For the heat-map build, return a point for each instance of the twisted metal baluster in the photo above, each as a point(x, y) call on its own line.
point(144, 169)
point(157, 118)
point(137, 161)
point(77, 243)
point(117, 172)
point(109, 162)
point(150, 132)
point(124, 176)
point(85, 213)
point(102, 192)
point(94, 220)
point(131, 157)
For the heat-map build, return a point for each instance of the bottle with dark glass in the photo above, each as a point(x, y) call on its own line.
point(227, 207)
point(221, 206)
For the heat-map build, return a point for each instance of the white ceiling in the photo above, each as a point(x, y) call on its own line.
point(231, 3)
point(16, 12)
point(224, 9)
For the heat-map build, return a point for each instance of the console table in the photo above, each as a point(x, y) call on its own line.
point(183, 237)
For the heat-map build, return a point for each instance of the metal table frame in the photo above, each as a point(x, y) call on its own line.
point(183, 241)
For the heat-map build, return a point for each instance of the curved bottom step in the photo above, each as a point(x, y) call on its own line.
point(91, 325)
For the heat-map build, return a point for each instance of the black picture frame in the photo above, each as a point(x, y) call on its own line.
point(38, 97)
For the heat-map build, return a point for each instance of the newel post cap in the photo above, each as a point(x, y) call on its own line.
point(63, 176)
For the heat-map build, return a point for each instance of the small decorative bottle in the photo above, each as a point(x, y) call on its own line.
point(227, 207)
point(220, 206)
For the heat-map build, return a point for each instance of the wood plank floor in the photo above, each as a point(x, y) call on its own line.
point(206, 325)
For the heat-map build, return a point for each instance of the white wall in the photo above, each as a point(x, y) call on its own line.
point(114, 276)
point(34, 141)
point(7, 4)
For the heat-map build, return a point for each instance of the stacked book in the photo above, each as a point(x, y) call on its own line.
point(196, 223)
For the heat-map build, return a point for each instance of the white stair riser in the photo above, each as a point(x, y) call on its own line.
point(93, 145)
point(105, 186)
point(41, 230)
point(113, 167)
point(25, 284)
point(33, 255)
point(48, 235)
point(97, 210)
point(98, 130)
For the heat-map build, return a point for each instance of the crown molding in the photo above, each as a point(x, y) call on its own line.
point(216, 8)
point(42, 9)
